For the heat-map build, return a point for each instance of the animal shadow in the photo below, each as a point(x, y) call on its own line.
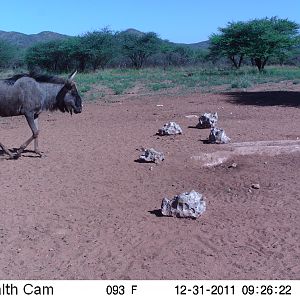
point(25, 153)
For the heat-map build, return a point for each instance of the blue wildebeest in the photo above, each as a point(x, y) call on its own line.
point(30, 94)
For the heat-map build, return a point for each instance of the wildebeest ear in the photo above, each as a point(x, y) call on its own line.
point(72, 75)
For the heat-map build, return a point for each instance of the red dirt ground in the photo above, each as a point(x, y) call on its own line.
point(87, 210)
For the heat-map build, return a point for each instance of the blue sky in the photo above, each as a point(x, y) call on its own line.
point(186, 21)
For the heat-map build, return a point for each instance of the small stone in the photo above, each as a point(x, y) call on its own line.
point(218, 136)
point(185, 205)
point(255, 186)
point(170, 129)
point(151, 155)
point(207, 120)
point(191, 116)
point(233, 165)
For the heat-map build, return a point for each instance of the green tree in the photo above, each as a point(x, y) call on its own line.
point(183, 55)
point(258, 39)
point(7, 53)
point(270, 38)
point(166, 51)
point(139, 47)
point(46, 55)
point(92, 50)
point(59, 55)
point(175, 55)
point(99, 47)
point(200, 56)
point(232, 42)
point(79, 53)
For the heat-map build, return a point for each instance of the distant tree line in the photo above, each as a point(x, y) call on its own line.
point(255, 42)
point(101, 49)
point(7, 54)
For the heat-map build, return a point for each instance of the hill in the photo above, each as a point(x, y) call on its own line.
point(195, 46)
point(133, 31)
point(26, 40)
point(200, 45)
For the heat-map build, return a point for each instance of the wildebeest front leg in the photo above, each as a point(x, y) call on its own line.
point(6, 150)
point(32, 122)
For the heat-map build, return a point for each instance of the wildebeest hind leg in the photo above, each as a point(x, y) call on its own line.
point(36, 141)
point(6, 151)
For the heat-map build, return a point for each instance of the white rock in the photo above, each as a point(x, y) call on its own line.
point(218, 136)
point(185, 205)
point(255, 186)
point(207, 120)
point(170, 128)
point(151, 155)
point(233, 165)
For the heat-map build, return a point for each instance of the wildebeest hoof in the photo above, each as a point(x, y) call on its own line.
point(10, 155)
point(18, 154)
point(15, 156)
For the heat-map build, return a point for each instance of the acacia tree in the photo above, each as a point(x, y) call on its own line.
point(50, 55)
point(91, 50)
point(139, 47)
point(99, 46)
point(232, 43)
point(258, 39)
point(270, 38)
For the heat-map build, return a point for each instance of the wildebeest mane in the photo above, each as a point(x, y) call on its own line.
point(13, 79)
point(36, 76)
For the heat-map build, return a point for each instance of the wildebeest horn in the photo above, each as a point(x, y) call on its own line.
point(72, 75)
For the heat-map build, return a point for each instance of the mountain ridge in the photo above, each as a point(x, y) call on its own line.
point(23, 40)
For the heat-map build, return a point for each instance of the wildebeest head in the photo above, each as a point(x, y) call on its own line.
point(68, 97)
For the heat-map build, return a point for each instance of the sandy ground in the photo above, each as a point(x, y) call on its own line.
point(87, 210)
